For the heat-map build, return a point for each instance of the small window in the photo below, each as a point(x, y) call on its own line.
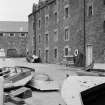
point(55, 17)
point(55, 35)
point(46, 20)
point(55, 53)
point(11, 34)
point(46, 39)
point(66, 12)
point(46, 9)
point(90, 10)
point(46, 55)
point(1, 34)
point(66, 36)
point(23, 35)
point(39, 23)
point(104, 26)
point(39, 53)
point(39, 38)
point(66, 51)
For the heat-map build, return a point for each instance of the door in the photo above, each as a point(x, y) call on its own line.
point(46, 56)
point(89, 55)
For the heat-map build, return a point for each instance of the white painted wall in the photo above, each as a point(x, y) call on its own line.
point(89, 55)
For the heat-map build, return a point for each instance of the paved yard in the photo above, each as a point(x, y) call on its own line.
point(56, 72)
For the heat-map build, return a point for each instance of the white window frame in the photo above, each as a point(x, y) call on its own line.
point(56, 37)
point(13, 35)
point(46, 23)
point(38, 23)
point(90, 4)
point(69, 49)
point(66, 28)
point(66, 6)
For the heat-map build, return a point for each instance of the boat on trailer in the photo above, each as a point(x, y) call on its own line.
point(16, 76)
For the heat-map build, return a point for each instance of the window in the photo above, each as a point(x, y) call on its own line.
point(46, 20)
point(66, 34)
point(46, 39)
point(66, 51)
point(39, 23)
point(22, 34)
point(55, 17)
point(39, 53)
point(66, 12)
point(46, 9)
point(1, 34)
point(104, 26)
point(39, 12)
point(46, 55)
point(55, 53)
point(39, 38)
point(55, 35)
point(90, 10)
point(11, 34)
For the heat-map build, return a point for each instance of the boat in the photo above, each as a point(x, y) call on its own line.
point(16, 76)
point(83, 90)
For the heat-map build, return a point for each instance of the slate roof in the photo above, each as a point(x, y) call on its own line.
point(13, 26)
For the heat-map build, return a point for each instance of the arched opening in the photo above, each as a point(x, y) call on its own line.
point(12, 53)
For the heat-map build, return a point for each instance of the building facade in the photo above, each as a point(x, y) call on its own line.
point(31, 43)
point(13, 38)
point(64, 26)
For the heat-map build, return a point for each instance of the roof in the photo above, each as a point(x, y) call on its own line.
point(13, 26)
point(41, 6)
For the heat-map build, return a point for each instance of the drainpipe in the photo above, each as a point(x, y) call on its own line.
point(34, 29)
point(84, 36)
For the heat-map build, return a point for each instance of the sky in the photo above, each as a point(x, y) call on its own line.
point(15, 10)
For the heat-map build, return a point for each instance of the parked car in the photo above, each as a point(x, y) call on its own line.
point(33, 59)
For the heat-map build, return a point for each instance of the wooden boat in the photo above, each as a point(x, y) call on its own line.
point(17, 76)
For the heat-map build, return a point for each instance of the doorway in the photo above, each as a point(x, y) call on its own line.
point(46, 56)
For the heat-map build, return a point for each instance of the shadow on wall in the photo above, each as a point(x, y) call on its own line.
point(79, 59)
